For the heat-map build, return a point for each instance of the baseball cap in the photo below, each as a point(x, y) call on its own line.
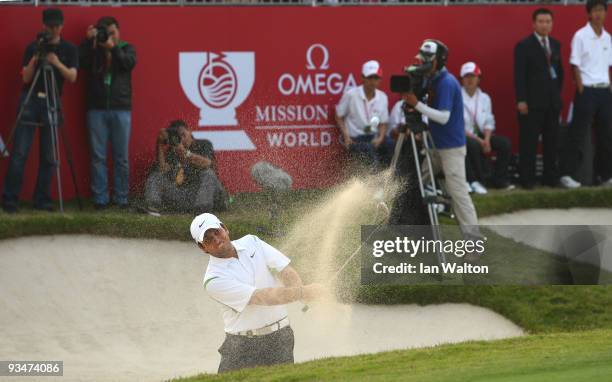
point(371, 68)
point(470, 68)
point(52, 17)
point(203, 223)
point(428, 50)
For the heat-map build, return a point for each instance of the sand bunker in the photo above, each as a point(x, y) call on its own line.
point(571, 216)
point(130, 310)
point(549, 238)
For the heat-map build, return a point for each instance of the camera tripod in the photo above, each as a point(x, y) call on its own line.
point(432, 194)
point(53, 105)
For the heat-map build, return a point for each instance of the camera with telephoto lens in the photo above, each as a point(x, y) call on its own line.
point(43, 44)
point(173, 135)
point(101, 34)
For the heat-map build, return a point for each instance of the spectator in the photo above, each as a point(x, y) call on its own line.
point(445, 115)
point(109, 61)
point(184, 178)
point(538, 80)
point(479, 127)
point(362, 116)
point(63, 57)
point(397, 118)
point(591, 58)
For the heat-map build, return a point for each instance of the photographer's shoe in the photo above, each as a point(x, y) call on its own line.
point(478, 188)
point(100, 206)
point(47, 207)
point(607, 183)
point(568, 182)
point(9, 209)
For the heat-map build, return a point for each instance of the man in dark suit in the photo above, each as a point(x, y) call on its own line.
point(538, 80)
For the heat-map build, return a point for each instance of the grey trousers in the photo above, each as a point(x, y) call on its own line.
point(452, 163)
point(239, 352)
point(162, 192)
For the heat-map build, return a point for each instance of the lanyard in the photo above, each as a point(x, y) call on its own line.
point(367, 110)
point(473, 113)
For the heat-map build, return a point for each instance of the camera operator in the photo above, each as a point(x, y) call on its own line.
point(184, 178)
point(446, 124)
point(48, 48)
point(109, 61)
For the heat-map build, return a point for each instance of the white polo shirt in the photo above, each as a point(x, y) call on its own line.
point(231, 282)
point(592, 54)
point(357, 111)
point(477, 111)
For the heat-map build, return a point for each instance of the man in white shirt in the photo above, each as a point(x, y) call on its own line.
point(479, 127)
point(253, 300)
point(591, 58)
point(362, 116)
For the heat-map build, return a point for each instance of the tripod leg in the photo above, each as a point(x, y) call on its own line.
point(20, 113)
point(71, 166)
point(431, 206)
point(52, 115)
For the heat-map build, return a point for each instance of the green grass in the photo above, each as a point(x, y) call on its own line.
point(571, 357)
point(249, 211)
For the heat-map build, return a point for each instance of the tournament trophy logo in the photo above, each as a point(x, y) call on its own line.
point(217, 83)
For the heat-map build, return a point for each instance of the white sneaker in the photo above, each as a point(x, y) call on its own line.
point(470, 189)
point(478, 188)
point(607, 183)
point(568, 182)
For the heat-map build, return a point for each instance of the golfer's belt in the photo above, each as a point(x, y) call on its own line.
point(268, 329)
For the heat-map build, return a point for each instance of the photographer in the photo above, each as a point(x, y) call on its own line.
point(446, 124)
point(109, 61)
point(184, 178)
point(48, 48)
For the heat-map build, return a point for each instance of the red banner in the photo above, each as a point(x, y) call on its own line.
point(262, 82)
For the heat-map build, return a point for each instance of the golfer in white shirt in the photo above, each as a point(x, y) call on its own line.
point(253, 298)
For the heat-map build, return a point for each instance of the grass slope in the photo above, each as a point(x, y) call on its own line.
point(582, 356)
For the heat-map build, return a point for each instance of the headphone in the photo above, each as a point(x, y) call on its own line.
point(441, 52)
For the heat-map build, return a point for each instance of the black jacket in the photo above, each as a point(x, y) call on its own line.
point(533, 82)
point(108, 88)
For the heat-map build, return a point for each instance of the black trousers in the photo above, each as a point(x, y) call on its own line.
point(536, 122)
point(238, 352)
point(474, 160)
point(593, 106)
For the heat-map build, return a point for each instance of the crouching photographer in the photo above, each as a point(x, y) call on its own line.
point(184, 177)
point(444, 111)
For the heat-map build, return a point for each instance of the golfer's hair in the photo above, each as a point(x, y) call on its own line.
point(590, 4)
point(541, 11)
